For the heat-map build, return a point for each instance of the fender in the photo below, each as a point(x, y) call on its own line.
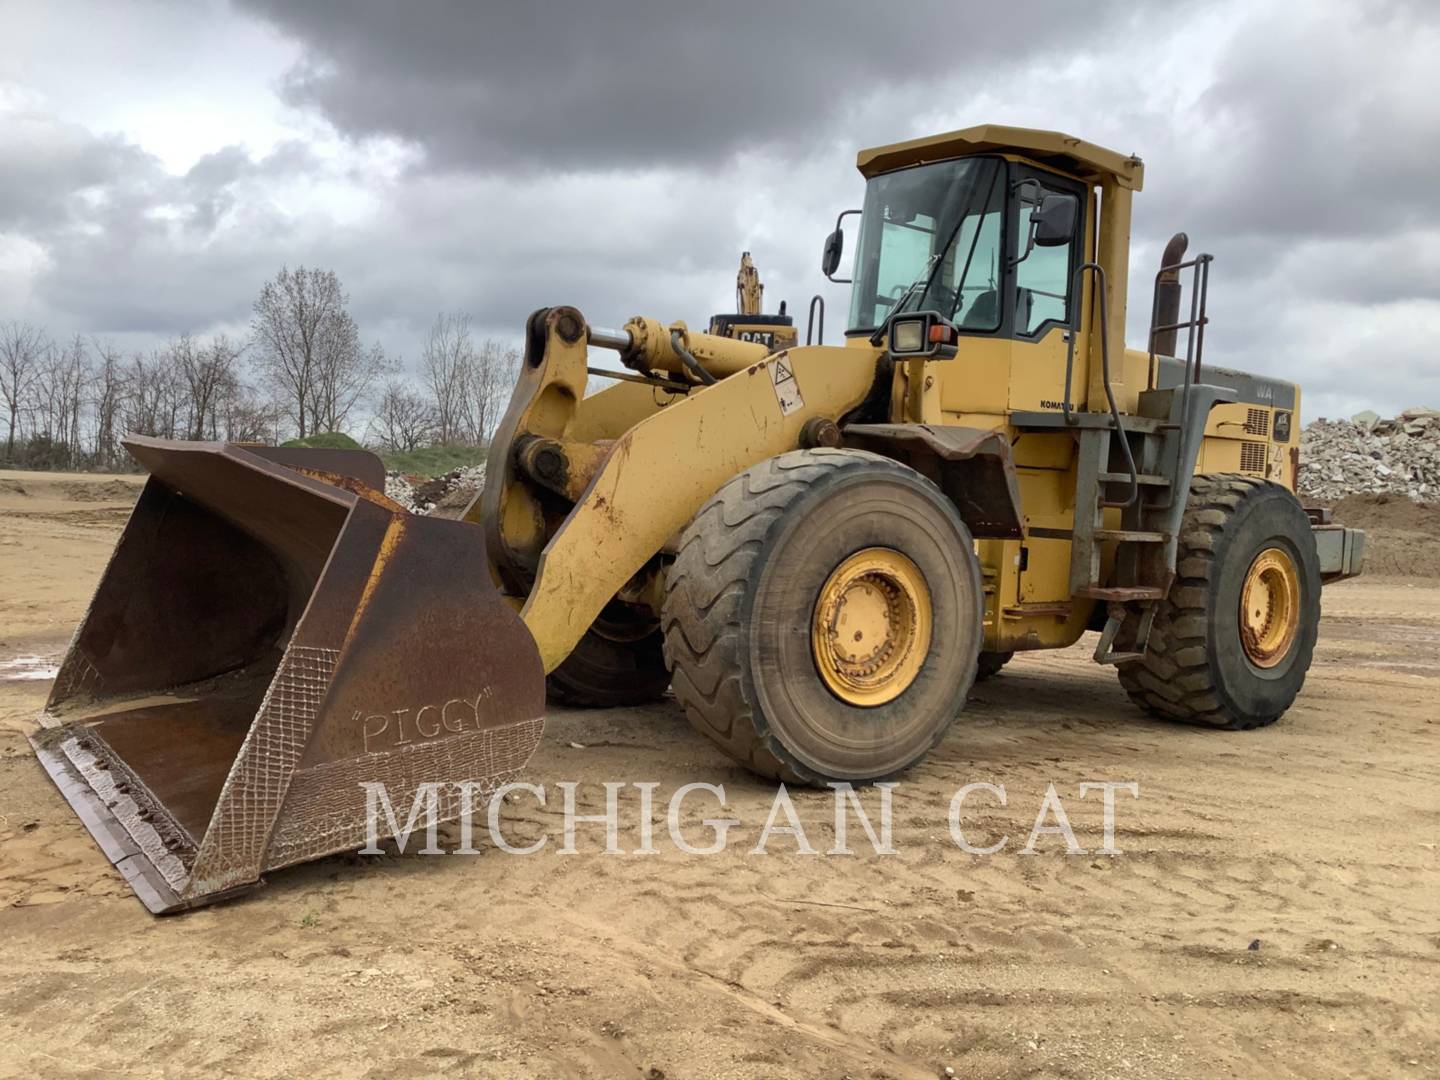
point(972, 466)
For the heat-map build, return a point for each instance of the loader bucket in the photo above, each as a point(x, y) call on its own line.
point(271, 635)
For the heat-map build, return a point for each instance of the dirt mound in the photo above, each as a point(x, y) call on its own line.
point(98, 490)
point(454, 503)
point(1402, 536)
point(70, 487)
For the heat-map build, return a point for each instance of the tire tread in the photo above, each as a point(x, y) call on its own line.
point(1176, 679)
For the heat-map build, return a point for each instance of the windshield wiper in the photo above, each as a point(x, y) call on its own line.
point(899, 305)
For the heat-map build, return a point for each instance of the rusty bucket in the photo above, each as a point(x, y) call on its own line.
point(273, 634)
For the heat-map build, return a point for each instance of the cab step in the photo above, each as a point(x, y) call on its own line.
point(1131, 536)
point(1149, 479)
point(1122, 593)
point(1120, 657)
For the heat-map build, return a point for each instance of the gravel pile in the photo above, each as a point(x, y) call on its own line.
point(1371, 455)
point(449, 491)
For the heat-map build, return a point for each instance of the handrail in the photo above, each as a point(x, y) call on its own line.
point(1065, 407)
point(1195, 339)
point(810, 322)
point(1195, 325)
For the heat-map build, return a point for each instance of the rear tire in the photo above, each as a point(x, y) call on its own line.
point(620, 661)
point(766, 606)
point(1211, 660)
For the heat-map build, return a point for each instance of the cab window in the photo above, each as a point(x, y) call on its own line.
point(1042, 279)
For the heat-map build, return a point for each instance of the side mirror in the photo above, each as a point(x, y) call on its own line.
point(1053, 221)
point(834, 248)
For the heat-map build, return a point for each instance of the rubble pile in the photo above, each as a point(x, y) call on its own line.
point(1371, 455)
point(425, 495)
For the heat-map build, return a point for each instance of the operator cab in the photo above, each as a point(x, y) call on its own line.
point(987, 244)
point(985, 228)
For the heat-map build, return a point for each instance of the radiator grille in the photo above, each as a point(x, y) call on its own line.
point(1252, 457)
point(1257, 422)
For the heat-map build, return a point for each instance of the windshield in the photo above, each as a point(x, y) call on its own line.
point(930, 240)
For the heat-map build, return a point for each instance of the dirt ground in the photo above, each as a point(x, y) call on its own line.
point(1315, 838)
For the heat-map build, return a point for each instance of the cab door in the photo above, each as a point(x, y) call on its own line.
point(1044, 315)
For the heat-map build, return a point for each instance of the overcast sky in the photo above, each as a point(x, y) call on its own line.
point(158, 161)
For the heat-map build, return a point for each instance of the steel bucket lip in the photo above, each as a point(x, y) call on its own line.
point(145, 879)
point(158, 455)
point(152, 451)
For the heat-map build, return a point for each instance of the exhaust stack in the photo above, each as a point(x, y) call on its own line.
point(1167, 297)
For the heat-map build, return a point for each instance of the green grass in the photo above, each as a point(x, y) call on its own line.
point(325, 440)
point(432, 460)
point(427, 461)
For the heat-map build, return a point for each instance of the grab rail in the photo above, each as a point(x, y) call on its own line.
point(1065, 406)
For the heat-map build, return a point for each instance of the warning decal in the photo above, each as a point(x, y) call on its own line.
point(787, 390)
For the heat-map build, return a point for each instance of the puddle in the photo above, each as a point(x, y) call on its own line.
point(29, 668)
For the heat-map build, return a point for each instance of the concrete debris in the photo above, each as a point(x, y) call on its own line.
point(1369, 454)
point(445, 495)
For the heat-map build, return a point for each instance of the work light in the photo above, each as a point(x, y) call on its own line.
point(922, 334)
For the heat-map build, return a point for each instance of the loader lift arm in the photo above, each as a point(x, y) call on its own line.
point(641, 492)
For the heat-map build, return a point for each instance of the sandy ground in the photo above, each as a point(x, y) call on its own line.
point(1315, 838)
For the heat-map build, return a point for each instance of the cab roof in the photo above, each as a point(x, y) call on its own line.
point(1056, 149)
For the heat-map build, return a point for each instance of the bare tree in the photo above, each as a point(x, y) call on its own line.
point(58, 390)
point(151, 403)
point(308, 347)
point(244, 416)
point(21, 348)
point(402, 419)
point(488, 379)
point(447, 362)
point(209, 374)
point(107, 388)
point(343, 381)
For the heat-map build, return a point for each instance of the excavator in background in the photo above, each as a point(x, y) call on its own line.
point(819, 548)
point(749, 323)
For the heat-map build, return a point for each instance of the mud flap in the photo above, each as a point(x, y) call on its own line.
point(266, 641)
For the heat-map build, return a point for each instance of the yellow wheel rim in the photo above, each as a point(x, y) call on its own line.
point(871, 628)
point(1270, 607)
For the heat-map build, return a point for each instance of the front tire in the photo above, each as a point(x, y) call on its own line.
point(1232, 642)
point(823, 617)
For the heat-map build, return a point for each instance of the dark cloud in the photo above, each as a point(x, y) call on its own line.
point(129, 247)
point(49, 166)
point(632, 84)
point(620, 158)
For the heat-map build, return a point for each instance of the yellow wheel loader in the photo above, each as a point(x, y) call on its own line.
point(820, 548)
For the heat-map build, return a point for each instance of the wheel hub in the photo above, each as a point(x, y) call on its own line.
point(1270, 607)
point(871, 627)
